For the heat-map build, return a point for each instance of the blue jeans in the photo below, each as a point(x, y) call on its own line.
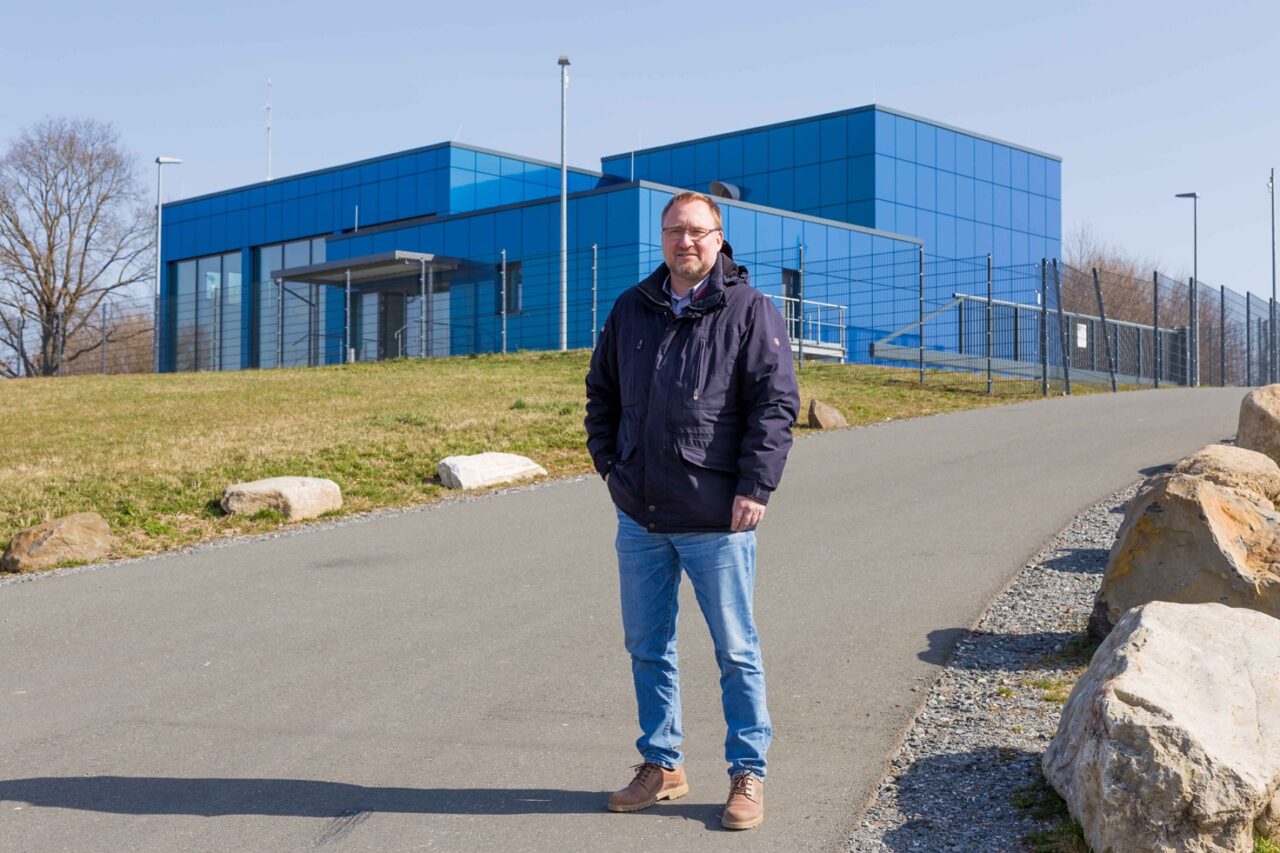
point(722, 568)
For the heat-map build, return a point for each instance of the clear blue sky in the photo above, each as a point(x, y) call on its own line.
point(1141, 100)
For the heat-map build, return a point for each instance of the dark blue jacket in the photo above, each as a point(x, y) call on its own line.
point(685, 413)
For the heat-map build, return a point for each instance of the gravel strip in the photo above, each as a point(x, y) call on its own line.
point(994, 708)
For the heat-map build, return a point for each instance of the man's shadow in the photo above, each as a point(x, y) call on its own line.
point(150, 795)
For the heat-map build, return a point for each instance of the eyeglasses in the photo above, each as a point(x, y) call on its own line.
point(697, 235)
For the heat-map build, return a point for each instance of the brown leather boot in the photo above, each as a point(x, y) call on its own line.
point(652, 782)
point(745, 808)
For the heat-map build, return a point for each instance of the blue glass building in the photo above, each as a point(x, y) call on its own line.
point(452, 249)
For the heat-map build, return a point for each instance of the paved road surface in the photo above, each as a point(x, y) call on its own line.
point(454, 679)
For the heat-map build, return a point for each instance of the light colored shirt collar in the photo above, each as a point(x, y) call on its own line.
point(679, 303)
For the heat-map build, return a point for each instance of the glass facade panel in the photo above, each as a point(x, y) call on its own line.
point(208, 300)
point(185, 316)
point(231, 355)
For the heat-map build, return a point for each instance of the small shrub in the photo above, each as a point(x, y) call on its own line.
point(520, 404)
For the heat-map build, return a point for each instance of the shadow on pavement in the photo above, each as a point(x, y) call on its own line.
point(1008, 652)
point(1087, 561)
point(150, 795)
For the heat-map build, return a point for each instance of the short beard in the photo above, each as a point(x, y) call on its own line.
point(692, 269)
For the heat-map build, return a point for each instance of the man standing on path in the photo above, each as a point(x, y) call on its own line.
point(690, 401)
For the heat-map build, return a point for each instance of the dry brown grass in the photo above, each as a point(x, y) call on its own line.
point(152, 454)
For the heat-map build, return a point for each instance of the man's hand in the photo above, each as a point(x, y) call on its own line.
point(746, 513)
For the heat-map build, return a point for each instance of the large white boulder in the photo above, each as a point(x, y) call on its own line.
point(79, 538)
point(1259, 424)
point(1187, 539)
point(1171, 740)
point(1236, 467)
point(486, 469)
point(295, 498)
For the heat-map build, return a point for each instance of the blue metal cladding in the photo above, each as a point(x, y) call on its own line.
point(844, 165)
point(823, 183)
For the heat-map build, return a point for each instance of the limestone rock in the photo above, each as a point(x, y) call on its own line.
point(1188, 540)
point(295, 498)
point(1171, 740)
point(822, 416)
point(486, 469)
point(1259, 426)
point(81, 537)
point(1235, 467)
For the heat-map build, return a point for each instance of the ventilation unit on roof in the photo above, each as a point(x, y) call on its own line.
point(722, 189)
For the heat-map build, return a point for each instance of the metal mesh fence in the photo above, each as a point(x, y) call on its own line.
point(111, 335)
point(1045, 324)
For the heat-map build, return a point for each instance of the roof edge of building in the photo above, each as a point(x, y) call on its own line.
point(850, 111)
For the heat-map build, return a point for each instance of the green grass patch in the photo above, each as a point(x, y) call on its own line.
point(1053, 688)
point(152, 454)
point(1041, 802)
point(1262, 844)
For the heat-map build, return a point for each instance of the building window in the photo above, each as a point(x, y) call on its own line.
point(514, 287)
point(289, 320)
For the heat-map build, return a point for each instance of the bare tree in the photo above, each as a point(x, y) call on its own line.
point(74, 228)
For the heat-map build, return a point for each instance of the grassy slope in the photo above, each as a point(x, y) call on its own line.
point(152, 454)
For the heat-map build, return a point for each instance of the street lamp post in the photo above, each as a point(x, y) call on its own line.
point(161, 162)
point(564, 208)
point(1193, 351)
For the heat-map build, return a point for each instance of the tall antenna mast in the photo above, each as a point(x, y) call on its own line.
point(268, 128)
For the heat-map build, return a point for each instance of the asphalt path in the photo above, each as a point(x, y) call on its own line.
point(454, 678)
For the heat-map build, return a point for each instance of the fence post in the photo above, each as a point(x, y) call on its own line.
point(1106, 338)
point(921, 315)
point(1193, 336)
point(504, 301)
point(431, 313)
point(346, 297)
point(280, 321)
point(1222, 336)
point(990, 335)
point(595, 324)
point(1271, 342)
point(1155, 322)
point(1044, 327)
point(422, 307)
point(1272, 366)
point(800, 306)
point(1248, 340)
point(103, 315)
point(960, 326)
point(1063, 331)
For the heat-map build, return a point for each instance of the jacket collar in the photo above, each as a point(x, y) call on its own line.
point(725, 273)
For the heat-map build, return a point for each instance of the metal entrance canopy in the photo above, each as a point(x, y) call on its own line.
point(367, 269)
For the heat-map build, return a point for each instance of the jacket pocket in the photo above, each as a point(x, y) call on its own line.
point(704, 454)
point(628, 432)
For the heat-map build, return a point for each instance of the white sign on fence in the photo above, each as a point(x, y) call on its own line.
point(1082, 336)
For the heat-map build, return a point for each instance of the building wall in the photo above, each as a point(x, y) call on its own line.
point(438, 180)
point(962, 194)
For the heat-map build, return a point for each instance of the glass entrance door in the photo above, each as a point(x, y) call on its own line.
point(392, 332)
